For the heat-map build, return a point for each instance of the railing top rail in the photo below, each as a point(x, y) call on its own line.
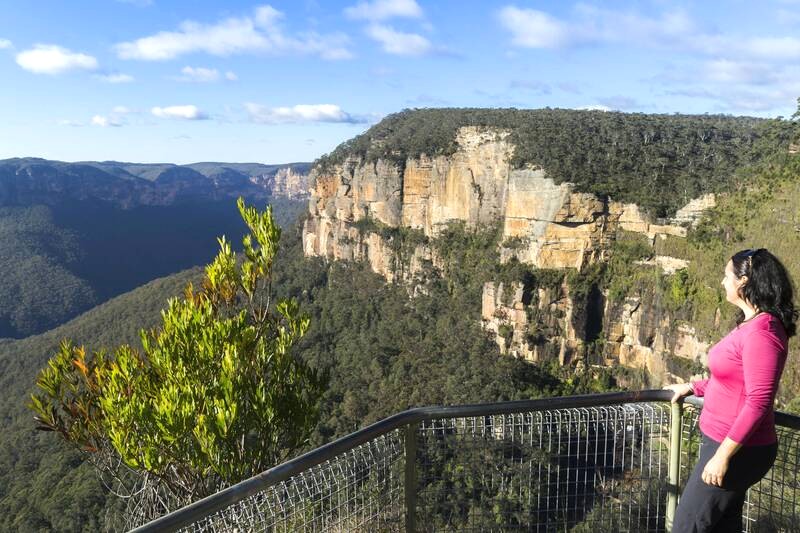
point(275, 475)
point(781, 419)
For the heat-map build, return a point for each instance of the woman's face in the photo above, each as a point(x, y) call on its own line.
point(732, 284)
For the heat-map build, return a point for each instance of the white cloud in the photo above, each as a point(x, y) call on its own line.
point(5, 44)
point(397, 42)
point(671, 30)
point(747, 100)
point(204, 75)
point(727, 71)
point(52, 59)
point(392, 41)
point(618, 102)
point(335, 52)
point(742, 72)
point(257, 33)
point(186, 112)
point(531, 28)
point(534, 29)
point(115, 78)
point(378, 10)
point(71, 123)
point(267, 16)
point(299, 113)
point(99, 120)
point(776, 48)
point(228, 37)
point(199, 74)
point(595, 107)
point(739, 86)
point(121, 110)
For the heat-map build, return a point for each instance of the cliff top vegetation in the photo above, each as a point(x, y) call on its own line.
point(657, 161)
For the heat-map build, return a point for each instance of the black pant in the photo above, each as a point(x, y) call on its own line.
point(706, 508)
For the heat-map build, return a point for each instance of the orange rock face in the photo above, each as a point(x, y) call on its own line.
point(544, 224)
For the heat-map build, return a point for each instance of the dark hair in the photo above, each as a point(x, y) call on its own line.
point(769, 287)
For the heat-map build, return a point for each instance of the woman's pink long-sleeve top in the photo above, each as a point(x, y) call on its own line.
point(746, 366)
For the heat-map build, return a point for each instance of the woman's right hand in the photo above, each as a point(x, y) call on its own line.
point(680, 390)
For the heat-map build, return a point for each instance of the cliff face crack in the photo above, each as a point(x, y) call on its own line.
point(476, 188)
point(569, 224)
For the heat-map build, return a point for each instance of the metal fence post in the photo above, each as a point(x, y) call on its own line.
point(410, 481)
point(674, 461)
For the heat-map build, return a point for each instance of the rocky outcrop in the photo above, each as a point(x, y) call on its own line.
point(355, 206)
point(290, 184)
point(632, 219)
point(536, 326)
point(553, 226)
point(286, 182)
point(667, 264)
point(543, 326)
point(641, 337)
point(691, 213)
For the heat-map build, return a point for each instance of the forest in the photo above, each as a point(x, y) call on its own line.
point(63, 259)
point(382, 350)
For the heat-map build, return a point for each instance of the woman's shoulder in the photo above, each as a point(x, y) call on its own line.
point(766, 326)
point(772, 323)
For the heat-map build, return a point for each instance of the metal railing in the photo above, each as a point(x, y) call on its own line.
point(773, 504)
point(593, 463)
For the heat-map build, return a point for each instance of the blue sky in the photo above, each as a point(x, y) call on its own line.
point(176, 81)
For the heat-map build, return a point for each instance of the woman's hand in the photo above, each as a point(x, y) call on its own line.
point(680, 390)
point(715, 470)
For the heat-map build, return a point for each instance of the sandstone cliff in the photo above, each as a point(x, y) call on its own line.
point(290, 181)
point(543, 224)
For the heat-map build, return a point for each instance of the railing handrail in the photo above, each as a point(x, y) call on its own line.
point(226, 497)
point(787, 420)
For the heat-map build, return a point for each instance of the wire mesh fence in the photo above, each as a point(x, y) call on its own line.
point(591, 469)
point(598, 463)
point(773, 504)
point(359, 490)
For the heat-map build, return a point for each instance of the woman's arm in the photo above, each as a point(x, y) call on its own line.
point(679, 390)
point(762, 363)
point(699, 387)
point(717, 466)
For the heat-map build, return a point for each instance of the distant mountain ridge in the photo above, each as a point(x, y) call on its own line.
point(29, 181)
point(73, 235)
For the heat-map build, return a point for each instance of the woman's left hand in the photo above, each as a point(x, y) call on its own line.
point(715, 469)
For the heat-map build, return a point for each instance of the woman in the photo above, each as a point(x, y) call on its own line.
point(739, 443)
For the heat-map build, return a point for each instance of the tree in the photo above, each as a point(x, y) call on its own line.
point(215, 395)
